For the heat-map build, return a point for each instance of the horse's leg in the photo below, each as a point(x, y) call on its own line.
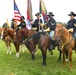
point(44, 51)
point(17, 49)
point(10, 48)
point(67, 56)
point(63, 57)
point(7, 48)
point(51, 52)
point(60, 52)
point(20, 48)
point(70, 58)
point(23, 47)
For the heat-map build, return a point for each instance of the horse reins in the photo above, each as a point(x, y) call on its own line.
point(66, 44)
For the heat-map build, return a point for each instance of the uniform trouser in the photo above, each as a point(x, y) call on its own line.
point(52, 41)
point(52, 34)
point(74, 35)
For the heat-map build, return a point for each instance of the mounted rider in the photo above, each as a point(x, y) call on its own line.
point(36, 25)
point(51, 25)
point(72, 24)
point(13, 23)
point(23, 23)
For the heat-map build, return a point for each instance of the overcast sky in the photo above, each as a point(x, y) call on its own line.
point(60, 8)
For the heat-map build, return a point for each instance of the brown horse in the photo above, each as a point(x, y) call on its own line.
point(20, 36)
point(10, 32)
point(1, 29)
point(8, 41)
point(66, 40)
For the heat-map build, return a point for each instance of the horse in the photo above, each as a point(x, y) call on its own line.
point(66, 40)
point(1, 29)
point(43, 41)
point(8, 41)
point(10, 32)
point(32, 42)
point(21, 35)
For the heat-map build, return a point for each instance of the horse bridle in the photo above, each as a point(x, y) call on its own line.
point(69, 41)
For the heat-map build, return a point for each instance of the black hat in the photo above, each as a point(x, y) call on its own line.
point(72, 13)
point(12, 19)
point(38, 14)
point(50, 14)
point(22, 17)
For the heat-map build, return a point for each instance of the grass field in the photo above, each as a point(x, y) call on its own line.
point(11, 65)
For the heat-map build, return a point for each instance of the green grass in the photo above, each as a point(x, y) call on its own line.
point(11, 65)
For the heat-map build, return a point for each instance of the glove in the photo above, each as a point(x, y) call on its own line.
point(71, 30)
point(34, 28)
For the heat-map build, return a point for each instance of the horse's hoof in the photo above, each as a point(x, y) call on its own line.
point(17, 56)
point(43, 64)
point(66, 60)
point(71, 68)
point(58, 60)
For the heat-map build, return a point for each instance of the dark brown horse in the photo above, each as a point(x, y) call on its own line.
point(32, 42)
point(43, 41)
point(66, 40)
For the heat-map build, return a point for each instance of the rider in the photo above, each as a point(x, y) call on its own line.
point(51, 24)
point(23, 23)
point(13, 23)
point(72, 24)
point(37, 22)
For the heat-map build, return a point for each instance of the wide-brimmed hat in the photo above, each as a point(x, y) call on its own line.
point(22, 17)
point(50, 14)
point(72, 13)
point(38, 14)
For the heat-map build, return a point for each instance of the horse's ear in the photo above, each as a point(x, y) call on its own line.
point(5, 28)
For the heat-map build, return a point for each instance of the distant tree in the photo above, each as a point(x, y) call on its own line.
point(65, 24)
point(5, 25)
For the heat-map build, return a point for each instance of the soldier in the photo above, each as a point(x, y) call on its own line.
point(72, 24)
point(23, 23)
point(51, 24)
point(36, 25)
point(13, 23)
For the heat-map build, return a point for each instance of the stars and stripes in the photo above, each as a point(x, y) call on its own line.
point(17, 13)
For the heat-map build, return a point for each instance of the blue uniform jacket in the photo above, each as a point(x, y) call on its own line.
point(36, 24)
point(71, 24)
point(52, 24)
point(22, 24)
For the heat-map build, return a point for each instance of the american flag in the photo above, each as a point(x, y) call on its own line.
point(17, 13)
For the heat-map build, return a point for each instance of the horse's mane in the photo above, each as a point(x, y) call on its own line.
point(59, 25)
point(36, 36)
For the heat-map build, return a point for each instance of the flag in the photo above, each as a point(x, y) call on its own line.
point(29, 13)
point(17, 13)
point(42, 10)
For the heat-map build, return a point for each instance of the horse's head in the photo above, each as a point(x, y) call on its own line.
point(4, 33)
point(30, 44)
point(18, 36)
point(59, 31)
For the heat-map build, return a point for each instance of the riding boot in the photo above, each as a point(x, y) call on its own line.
point(52, 46)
